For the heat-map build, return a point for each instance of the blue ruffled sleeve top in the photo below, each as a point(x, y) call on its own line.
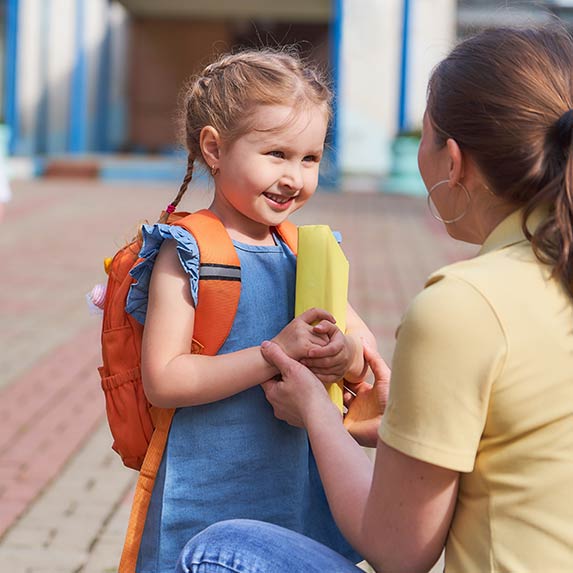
point(232, 458)
point(153, 237)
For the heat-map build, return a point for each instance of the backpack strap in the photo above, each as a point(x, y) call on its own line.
point(219, 280)
point(288, 232)
point(217, 303)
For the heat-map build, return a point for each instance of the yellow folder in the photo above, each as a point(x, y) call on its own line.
point(322, 281)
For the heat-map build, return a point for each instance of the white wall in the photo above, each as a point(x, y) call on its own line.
point(432, 35)
point(117, 113)
point(370, 74)
point(60, 61)
point(368, 79)
point(28, 76)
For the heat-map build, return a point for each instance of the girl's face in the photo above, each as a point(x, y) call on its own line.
point(270, 172)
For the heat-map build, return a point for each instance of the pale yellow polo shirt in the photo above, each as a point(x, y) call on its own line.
point(482, 383)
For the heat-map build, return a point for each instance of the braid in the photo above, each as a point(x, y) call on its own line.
point(186, 180)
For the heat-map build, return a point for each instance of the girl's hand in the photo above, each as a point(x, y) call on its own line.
point(299, 394)
point(298, 337)
point(366, 406)
point(332, 361)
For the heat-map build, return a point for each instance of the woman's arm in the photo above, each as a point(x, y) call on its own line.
point(396, 514)
point(172, 377)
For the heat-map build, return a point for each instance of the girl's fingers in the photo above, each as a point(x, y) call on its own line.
point(320, 363)
point(331, 349)
point(319, 340)
point(313, 315)
point(326, 327)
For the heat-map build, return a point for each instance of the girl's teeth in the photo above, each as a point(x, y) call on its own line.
point(276, 199)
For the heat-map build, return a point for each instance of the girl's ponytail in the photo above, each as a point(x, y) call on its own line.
point(184, 185)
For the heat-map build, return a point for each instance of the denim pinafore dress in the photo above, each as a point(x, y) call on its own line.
point(232, 458)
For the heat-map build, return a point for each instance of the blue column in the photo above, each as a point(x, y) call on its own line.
point(10, 83)
point(335, 57)
point(78, 122)
point(103, 86)
point(42, 109)
point(403, 97)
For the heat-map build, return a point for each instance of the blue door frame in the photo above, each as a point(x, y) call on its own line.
point(10, 81)
point(403, 123)
point(331, 178)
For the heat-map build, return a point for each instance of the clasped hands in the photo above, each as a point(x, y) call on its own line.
point(311, 350)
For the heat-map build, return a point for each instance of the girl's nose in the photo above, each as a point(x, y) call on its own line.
point(293, 176)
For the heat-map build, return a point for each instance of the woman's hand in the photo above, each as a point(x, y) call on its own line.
point(299, 336)
point(299, 394)
point(366, 406)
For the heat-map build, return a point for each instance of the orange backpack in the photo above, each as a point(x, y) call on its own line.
point(131, 418)
point(140, 430)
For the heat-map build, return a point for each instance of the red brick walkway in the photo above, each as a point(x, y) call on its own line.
point(47, 414)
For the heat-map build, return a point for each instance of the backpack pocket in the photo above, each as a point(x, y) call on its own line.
point(128, 414)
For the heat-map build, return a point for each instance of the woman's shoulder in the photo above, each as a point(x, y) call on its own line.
point(498, 274)
point(447, 299)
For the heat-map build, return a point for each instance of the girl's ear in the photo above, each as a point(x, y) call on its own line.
point(210, 143)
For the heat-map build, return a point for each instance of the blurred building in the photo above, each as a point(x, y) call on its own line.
point(98, 77)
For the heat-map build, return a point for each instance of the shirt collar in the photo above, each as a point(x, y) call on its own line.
point(509, 231)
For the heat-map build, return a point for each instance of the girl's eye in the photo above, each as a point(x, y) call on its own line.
point(276, 153)
point(311, 158)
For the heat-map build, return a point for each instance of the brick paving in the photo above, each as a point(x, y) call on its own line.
point(64, 495)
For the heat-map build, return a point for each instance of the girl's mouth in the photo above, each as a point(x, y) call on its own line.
point(279, 200)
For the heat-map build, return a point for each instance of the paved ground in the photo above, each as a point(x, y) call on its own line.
point(64, 495)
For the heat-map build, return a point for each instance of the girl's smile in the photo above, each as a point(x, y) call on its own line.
point(279, 202)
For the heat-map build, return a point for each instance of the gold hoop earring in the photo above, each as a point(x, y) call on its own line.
point(214, 170)
point(433, 209)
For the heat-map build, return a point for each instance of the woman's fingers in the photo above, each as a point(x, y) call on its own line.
point(379, 368)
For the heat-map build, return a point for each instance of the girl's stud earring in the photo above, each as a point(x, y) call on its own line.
point(214, 170)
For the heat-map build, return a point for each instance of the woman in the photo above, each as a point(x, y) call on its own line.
point(475, 449)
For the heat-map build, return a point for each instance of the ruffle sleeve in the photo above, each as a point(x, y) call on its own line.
point(153, 237)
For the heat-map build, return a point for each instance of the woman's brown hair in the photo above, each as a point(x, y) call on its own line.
point(506, 97)
point(227, 92)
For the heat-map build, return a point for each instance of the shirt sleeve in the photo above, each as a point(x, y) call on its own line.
point(450, 348)
point(153, 237)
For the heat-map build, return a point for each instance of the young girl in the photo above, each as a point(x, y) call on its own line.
point(258, 121)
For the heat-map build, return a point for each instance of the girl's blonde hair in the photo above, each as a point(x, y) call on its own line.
point(227, 92)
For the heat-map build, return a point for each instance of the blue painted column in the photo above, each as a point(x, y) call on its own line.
point(10, 79)
point(42, 109)
point(103, 88)
point(78, 121)
point(335, 57)
point(403, 97)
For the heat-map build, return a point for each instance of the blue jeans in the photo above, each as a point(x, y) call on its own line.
point(247, 546)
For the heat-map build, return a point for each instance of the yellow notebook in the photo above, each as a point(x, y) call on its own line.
point(322, 281)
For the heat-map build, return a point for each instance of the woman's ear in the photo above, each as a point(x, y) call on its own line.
point(456, 162)
point(210, 144)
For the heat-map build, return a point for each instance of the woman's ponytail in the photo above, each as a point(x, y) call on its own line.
point(564, 224)
point(552, 241)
